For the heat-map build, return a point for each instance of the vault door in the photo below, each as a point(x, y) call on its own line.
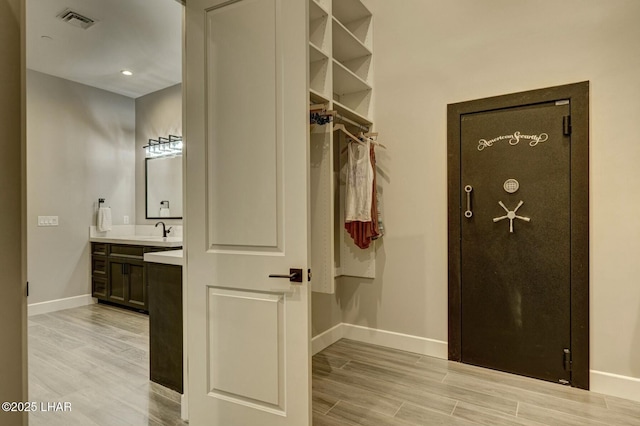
point(515, 240)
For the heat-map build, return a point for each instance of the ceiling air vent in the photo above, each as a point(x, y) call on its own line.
point(75, 19)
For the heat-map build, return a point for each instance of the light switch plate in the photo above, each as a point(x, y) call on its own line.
point(47, 220)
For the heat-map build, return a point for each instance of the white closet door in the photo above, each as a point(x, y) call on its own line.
point(247, 212)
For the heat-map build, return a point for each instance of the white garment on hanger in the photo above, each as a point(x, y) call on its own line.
point(359, 182)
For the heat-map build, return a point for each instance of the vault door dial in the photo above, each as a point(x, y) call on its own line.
point(511, 214)
point(511, 185)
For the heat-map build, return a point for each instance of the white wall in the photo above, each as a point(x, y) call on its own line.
point(157, 114)
point(430, 53)
point(80, 147)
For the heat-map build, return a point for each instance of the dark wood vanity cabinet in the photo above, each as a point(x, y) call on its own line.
point(118, 274)
point(165, 325)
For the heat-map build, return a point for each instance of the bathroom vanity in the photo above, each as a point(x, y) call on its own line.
point(118, 271)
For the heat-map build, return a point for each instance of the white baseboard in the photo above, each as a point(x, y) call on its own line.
point(60, 304)
point(389, 339)
point(615, 385)
point(326, 338)
point(184, 406)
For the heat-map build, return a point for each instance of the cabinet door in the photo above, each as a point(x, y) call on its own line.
point(117, 290)
point(99, 287)
point(137, 294)
point(99, 275)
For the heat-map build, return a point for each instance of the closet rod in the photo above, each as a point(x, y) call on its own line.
point(351, 122)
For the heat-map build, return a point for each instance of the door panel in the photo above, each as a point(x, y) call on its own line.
point(137, 285)
point(242, 141)
point(247, 212)
point(515, 271)
point(235, 339)
point(118, 281)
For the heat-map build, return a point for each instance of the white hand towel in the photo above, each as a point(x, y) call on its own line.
point(164, 212)
point(104, 219)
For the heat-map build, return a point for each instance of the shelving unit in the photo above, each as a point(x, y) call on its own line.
point(351, 53)
point(351, 114)
point(346, 45)
point(340, 76)
point(319, 71)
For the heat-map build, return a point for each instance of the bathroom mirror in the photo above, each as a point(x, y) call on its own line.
point(163, 187)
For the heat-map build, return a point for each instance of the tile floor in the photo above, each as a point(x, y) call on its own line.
point(96, 358)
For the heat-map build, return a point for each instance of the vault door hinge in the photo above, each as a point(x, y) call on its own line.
point(566, 125)
point(567, 360)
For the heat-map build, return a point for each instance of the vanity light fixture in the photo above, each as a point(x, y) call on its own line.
point(164, 147)
point(126, 72)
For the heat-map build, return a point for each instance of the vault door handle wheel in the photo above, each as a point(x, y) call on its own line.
point(511, 214)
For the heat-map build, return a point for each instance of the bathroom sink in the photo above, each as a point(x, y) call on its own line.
point(143, 240)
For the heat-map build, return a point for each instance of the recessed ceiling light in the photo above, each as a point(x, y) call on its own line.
point(126, 72)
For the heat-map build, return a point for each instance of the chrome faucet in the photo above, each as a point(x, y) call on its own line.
point(165, 230)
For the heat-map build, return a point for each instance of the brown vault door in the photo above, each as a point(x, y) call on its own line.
point(515, 240)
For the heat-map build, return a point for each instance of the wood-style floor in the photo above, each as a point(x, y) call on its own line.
point(360, 384)
point(96, 358)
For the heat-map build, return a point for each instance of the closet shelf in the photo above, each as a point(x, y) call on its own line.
point(346, 45)
point(345, 81)
point(316, 11)
point(316, 54)
point(349, 10)
point(317, 97)
point(351, 114)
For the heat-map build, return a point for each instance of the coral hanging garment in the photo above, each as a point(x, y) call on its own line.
point(361, 211)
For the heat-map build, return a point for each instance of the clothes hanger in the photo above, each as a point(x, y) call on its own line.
point(369, 137)
point(346, 132)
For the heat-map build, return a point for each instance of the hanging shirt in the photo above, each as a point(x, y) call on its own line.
point(359, 182)
point(363, 232)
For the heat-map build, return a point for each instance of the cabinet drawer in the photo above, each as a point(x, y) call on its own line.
point(127, 251)
point(98, 287)
point(99, 248)
point(99, 265)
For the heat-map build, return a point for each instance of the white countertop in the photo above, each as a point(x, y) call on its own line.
point(140, 240)
point(171, 257)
